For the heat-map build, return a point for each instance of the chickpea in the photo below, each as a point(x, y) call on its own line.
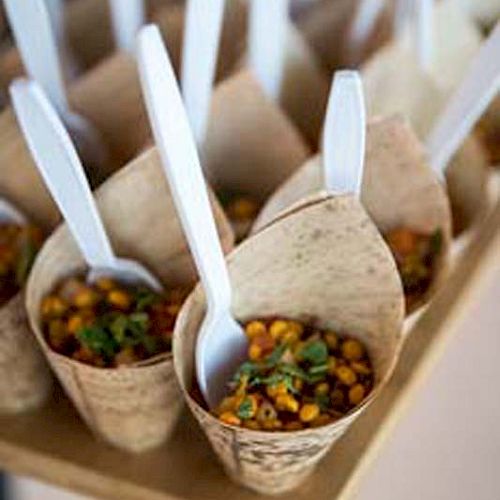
point(278, 328)
point(272, 425)
point(356, 394)
point(331, 340)
point(298, 384)
point(75, 323)
point(352, 350)
point(309, 412)
point(119, 299)
point(252, 425)
point(322, 419)
point(85, 298)
point(105, 284)
point(296, 327)
point(255, 328)
point(228, 404)
point(53, 307)
point(229, 418)
point(360, 367)
point(322, 389)
point(286, 402)
point(273, 391)
point(266, 412)
point(346, 376)
point(57, 334)
point(254, 352)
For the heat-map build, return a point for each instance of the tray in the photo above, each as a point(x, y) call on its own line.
point(52, 444)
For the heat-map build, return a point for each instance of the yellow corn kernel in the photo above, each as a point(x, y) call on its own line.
point(254, 352)
point(298, 384)
point(278, 328)
point(294, 425)
point(53, 307)
point(332, 340)
point(119, 298)
point(346, 376)
point(273, 391)
point(251, 424)
point(352, 350)
point(228, 404)
point(75, 323)
point(229, 418)
point(105, 284)
point(255, 328)
point(309, 412)
point(272, 425)
point(322, 419)
point(361, 367)
point(85, 298)
point(356, 394)
point(286, 402)
point(322, 388)
point(296, 327)
point(290, 337)
point(332, 365)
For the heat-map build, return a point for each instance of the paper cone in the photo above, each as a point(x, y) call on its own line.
point(325, 262)
point(399, 189)
point(25, 379)
point(133, 407)
point(488, 132)
point(251, 146)
point(394, 84)
point(327, 26)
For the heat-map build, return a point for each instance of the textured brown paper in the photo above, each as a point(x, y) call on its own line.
point(135, 407)
point(324, 262)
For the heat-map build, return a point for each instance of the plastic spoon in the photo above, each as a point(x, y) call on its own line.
point(479, 87)
point(35, 39)
point(127, 16)
point(9, 213)
point(344, 135)
point(267, 36)
point(199, 56)
point(62, 171)
point(367, 13)
point(221, 342)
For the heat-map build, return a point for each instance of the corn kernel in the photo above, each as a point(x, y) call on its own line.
point(290, 337)
point(228, 404)
point(361, 367)
point(346, 376)
point(273, 391)
point(331, 340)
point(119, 299)
point(356, 394)
point(251, 424)
point(278, 328)
point(296, 327)
point(229, 418)
point(75, 323)
point(286, 402)
point(105, 284)
point(298, 384)
point(352, 350)
point(255, 328)
point(321, 420)
point(254, 352)
point(309, 412)
point(84, 298)
point(53, 306)
point(272, 425)
point(322, 389)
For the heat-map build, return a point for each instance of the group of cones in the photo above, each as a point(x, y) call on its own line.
point(319, 257)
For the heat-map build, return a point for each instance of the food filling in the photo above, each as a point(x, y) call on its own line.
point(241, 210)
point(108, 324)
point(19, 245)
point(296, 377)
point(416, 255)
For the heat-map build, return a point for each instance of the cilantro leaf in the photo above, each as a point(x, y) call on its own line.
point(245, 409)
point(315, 352)
point(98, 340)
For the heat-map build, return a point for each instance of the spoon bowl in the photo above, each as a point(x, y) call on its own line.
point(10, 213)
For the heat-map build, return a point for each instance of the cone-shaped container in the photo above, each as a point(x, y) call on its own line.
point(25, 379)
point(251, 147)
point(325, 262)
point(327, 28)
point(133, 407)
point(399, 189)
point(394, 84)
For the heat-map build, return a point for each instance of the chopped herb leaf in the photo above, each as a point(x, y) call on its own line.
point(245, 409)
point(315, 352)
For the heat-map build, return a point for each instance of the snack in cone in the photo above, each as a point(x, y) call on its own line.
point(396, 84)
point(328, 28)
point(133, 407)
point(395, 170)
point(24, 377)
point(324, 263)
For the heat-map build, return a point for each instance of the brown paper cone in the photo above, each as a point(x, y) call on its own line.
point(394, 84)
point(326, 27)
point(325, 262)
point(251, 146)
point(399, 189)
point(25, 379)
point(135, 407)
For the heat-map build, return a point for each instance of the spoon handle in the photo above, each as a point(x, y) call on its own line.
point(267, 32)
point(367, 13)
point(55, 9)
point(36, 42)
point(182, 166)
point(479, 87)
point(127, 17)
point(200, 48)
point(424, 16)
point(344, 134)
point(62, 171)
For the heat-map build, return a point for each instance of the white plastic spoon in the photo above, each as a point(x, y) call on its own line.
point(267, 34)
point(199, 57)
point(479, 87)
point(127, 16)
point(367, 14)
point(35, 39)
point(221, 345)
point(62, 171)
point(10, 213)
point(344, 135)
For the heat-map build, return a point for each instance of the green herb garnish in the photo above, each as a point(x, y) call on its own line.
point(315, 352)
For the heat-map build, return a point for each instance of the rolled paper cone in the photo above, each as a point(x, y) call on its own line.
point(250, 146)
point(133, 407)
point(399, 189)
point(410, 92)
point(327, 27)
point(326, 263)
point(25, 379)
point(488, 130)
